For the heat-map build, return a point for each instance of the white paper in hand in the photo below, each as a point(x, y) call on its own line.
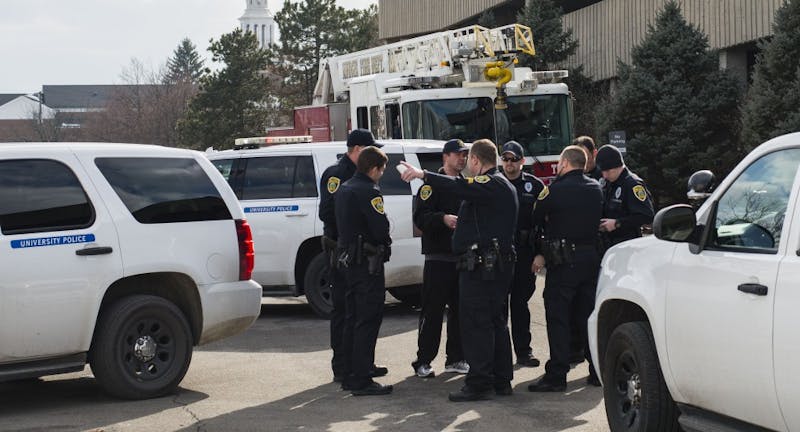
point(401, 168)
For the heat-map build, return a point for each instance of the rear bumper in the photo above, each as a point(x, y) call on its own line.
point(229, 309)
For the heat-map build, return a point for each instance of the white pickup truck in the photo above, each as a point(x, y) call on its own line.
point(698, 327)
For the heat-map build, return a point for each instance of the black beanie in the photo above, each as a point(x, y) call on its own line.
point(608, 157)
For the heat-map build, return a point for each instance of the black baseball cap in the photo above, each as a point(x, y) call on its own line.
point(513, 147)
point(362, 137)
point(454, 145)
point(608, 157)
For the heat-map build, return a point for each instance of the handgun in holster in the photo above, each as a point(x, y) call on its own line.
point(375, 256)
point(551, 250)
point(491, 260)
point(329, 246)
point(469, 260)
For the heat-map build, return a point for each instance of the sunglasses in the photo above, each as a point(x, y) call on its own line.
point(510, 159)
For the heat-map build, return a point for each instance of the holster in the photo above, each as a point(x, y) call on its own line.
point(329, 246)
point(375, 256)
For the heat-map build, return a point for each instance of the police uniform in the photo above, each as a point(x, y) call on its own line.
point(569, 210)
point(484, 241)
point(595, 173)
point(528, 188)
point(439, 277)
point(330, 182)
point(364, 244)
point(626, 199)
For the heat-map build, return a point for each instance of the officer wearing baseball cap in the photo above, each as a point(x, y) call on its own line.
point(523, 285)
point(435, 215)
point(628, 204)
point(333, 177)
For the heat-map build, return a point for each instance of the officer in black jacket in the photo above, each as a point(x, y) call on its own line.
point(591, 170)
point(333, 177)
point(628, 204)
point(435, 215)
point(364, 246)
point(484, 241)
point(569, 210)
point(528, 188)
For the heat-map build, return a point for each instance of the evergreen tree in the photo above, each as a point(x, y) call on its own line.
point(773, 103)
point(487, 19)
point(310, 31)
point(679, 110)
point(185, 65)
point(234, 101)
point(554, 45)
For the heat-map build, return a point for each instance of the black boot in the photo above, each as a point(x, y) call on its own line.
point(467, 394)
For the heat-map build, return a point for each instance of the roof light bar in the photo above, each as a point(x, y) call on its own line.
point(256, 142)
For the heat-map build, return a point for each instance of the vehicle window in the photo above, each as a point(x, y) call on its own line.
point(268, 177)
point(32, 202)
point(540, 123)
point(224, 166)
point(467, 119)
point(750, 214)
point(305, 182)
point(391, 183)
point(361, 118)
point(164, 190)
point(377, 122)
point(430, 161)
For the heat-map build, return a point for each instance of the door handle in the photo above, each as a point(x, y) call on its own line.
point(751, 288)
point(94, 251)
point(296, 214)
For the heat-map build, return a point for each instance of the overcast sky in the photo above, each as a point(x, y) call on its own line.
point(44, 42)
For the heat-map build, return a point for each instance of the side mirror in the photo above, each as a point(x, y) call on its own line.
point(701, 184)
point(675, 223)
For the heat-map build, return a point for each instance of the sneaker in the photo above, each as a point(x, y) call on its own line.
point(425, 371)
point(460, 367)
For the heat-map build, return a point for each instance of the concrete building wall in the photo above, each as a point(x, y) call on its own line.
point(399, 18)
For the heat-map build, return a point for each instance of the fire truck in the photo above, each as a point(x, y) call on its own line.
point(462, 83)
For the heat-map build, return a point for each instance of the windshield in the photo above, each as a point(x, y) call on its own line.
point(540, 123)
point(444, 119)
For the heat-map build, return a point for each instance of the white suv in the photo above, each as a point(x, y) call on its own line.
point(278, 187)
point(122, 255)
point(698, 326)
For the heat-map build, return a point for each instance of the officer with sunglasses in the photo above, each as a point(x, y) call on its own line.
point(523, 285)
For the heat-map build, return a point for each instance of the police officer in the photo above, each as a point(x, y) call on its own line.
point(523, 285)
point(569, 210)
point(333, 177)
point(435, 214)
point(592, 170)
point(364, 244)
point(484, 241)
point(628, 204)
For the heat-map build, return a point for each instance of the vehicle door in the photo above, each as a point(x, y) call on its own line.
point(279, 196)
point(405, 265)
point(719, 327)
point(60, 253)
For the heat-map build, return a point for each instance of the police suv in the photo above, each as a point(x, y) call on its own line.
point(278, 187)
point(120, 255)
point(697, 326)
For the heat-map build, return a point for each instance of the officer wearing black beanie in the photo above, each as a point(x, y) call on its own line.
point(628, 204)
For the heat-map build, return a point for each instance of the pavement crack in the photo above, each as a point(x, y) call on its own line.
point(200, 425)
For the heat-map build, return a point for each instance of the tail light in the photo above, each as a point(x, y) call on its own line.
point(246, 252)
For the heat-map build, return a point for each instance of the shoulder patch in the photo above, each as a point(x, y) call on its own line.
point(333, 184)
point(425, 192)
point(377, 204)
point(470, 180)
point(544, 193)
point(482, 179)
point(640, 193)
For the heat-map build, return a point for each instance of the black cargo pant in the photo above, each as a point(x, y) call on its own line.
point(364, 300)
point(522, 288)
point(564, 284)
point(439, 291)
point(484, 328)
point(340, 362)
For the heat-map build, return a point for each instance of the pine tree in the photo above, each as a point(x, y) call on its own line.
point(773, 103)
point(554, 45)
point(185, 65)
point(234, 101)
point(680, 112)
point(487, 19)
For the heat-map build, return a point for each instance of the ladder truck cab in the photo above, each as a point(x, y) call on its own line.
point(461, 83)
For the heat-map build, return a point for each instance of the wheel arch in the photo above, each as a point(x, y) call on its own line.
point(310, 248)
point(612, 314)
point(178, 288)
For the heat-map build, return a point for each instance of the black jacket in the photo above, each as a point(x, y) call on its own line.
point(330, 182)
point(528, 188)
point(430, 206)
point(359, 211)
point(629, 202)
point(570, 208)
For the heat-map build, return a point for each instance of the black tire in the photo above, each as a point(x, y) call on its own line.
point(317, 286)
point(410, 295)
point(636, 397)
point(155, 325)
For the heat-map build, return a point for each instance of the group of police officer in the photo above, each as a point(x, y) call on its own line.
point(484, 238)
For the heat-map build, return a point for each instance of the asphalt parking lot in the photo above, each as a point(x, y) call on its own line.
point(276, 377)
